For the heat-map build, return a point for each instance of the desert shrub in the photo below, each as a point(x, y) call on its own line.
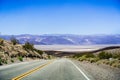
point(39, 51)
point(116, 56)
point(14, 40)
point(89, 55)
point(1, 42)
point(49, 57)
point(20, 58)
point(118, 65)
point(28, 46)
point(94, 60)
point(104, 55)
point(77, 55)
point(107, 62)
point(0, 61)
point(12, 60)
point(5, 62)
point(82, 58)
point(115, 63)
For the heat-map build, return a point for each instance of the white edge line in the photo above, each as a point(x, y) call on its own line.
point(80, 71)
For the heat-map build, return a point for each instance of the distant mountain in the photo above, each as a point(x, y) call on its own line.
point(66, 39)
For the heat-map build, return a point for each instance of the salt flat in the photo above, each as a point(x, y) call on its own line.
point(72, 48)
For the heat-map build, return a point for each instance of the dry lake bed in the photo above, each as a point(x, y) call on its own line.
point(70, 48)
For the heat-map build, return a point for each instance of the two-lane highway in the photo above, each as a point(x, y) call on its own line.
point(11, 71)
point(58, 69)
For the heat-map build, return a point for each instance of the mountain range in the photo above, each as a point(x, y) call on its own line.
point(65, 39)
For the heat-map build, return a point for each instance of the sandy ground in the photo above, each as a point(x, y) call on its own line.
point(100, 72)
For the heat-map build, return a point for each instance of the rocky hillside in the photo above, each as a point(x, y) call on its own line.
point(12, 52)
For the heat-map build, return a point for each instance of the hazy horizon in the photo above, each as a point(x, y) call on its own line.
point(60, 34)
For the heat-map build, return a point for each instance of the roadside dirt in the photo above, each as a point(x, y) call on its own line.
point(100, 72)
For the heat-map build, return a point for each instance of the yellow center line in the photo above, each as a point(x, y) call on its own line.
point(31, 71)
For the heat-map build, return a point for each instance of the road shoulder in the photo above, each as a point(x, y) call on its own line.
point(99, 72)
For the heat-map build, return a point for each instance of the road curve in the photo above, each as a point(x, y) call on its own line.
point(59, 69)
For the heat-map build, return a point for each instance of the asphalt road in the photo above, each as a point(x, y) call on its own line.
point(58, 69)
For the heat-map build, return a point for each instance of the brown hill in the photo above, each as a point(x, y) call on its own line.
point(9, 51)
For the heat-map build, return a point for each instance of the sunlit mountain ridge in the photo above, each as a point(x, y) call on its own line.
point(65, 39)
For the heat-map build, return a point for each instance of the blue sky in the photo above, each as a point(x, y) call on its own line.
point(60, 17)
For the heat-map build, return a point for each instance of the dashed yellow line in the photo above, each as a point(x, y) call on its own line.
point(31, 71)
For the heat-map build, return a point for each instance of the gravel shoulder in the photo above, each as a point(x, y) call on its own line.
point(99, 72)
